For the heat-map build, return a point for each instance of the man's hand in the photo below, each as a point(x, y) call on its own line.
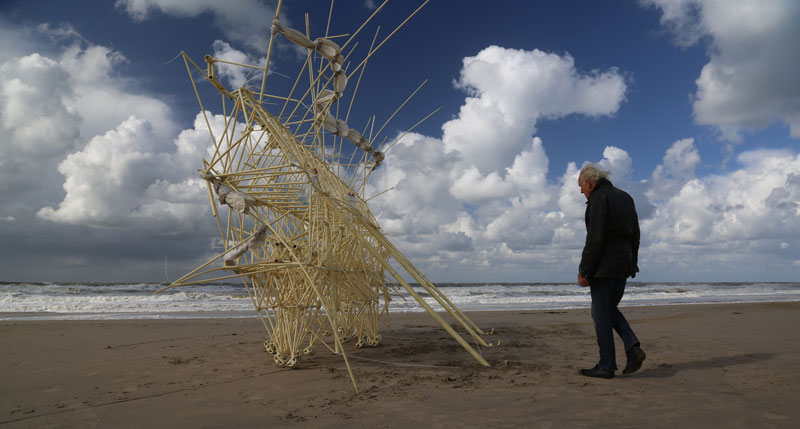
point(582, 280)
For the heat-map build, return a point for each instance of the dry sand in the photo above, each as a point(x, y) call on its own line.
point(707, 366)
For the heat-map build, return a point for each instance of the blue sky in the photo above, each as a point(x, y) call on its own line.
point(692, 104)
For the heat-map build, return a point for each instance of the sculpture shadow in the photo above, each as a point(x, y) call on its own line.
point(666, 370)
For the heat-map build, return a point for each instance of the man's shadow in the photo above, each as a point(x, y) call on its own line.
point(666, 370)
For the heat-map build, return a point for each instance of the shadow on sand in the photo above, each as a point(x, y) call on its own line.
point(666, 370)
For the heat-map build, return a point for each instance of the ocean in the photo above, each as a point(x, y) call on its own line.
point(117, 301)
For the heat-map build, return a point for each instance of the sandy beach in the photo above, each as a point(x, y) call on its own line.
point(708, 366)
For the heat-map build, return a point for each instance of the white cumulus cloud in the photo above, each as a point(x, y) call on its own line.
point(483, 186)
point(235, 75)
point(120, 180)
point(750, 80)
point(34, 106)
point(510, 90)
point(246, 21)
point(52, 104)
point(678, 167)
point(761, 200)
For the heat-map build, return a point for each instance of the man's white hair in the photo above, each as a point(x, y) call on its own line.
point(592, 173)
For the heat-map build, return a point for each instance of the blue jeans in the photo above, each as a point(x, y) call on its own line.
point(606, 294)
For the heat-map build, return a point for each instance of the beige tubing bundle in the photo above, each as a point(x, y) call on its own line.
point(293, 221)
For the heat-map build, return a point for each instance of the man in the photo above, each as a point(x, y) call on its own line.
point(609, 257)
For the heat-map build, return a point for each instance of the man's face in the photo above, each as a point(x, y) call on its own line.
point(586, 187)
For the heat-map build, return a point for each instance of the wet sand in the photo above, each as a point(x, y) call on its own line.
point(734, 365)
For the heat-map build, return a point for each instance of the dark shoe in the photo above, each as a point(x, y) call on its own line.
point(635, 358)
point(597, 372)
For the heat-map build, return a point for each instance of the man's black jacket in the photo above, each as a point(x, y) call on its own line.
point(612, 234)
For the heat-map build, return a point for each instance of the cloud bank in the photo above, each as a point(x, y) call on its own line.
point(93, 171)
